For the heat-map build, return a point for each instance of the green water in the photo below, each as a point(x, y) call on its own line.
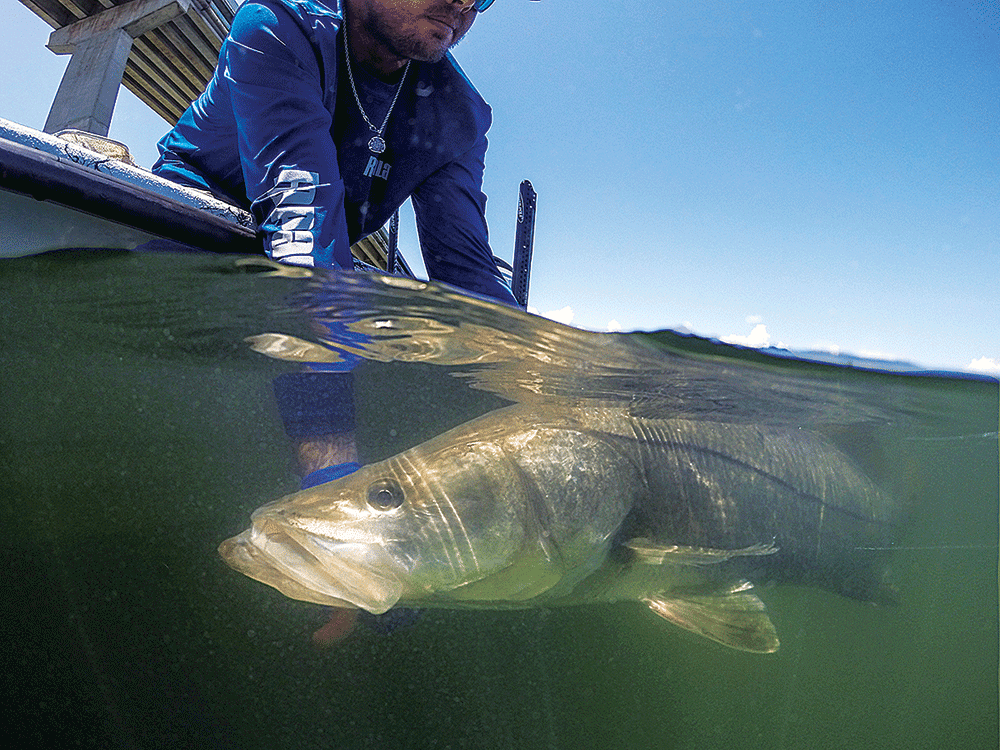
point(138, 430)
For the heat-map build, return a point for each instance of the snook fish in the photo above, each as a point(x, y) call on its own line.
point(528, 506)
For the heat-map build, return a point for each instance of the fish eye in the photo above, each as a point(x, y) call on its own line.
point(385, 494)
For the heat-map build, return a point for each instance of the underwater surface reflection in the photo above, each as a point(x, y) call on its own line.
point(139, 430)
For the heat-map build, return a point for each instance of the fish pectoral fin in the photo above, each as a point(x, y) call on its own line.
point(519, 582)
point(506, 586)
point(653, 553)
point(733, 616)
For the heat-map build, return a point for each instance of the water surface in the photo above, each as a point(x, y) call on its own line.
point(138, 430)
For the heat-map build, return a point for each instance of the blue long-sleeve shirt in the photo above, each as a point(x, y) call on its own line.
point(278, 131)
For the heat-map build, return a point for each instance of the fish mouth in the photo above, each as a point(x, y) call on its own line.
point(313, 569)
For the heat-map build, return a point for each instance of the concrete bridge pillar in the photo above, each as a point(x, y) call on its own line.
point(100, 46)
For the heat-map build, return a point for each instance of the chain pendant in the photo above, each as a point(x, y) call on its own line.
point(376, 145)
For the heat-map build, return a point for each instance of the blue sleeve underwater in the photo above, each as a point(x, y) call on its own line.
point(276, 78)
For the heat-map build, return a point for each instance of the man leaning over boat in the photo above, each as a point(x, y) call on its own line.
point(323, 119)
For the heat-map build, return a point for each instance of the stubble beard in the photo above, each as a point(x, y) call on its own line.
point(408, 43)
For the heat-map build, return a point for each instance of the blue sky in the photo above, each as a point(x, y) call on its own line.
point(808, 174)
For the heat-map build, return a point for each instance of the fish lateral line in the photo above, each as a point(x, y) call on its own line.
point(644, 440)
point(930, 547)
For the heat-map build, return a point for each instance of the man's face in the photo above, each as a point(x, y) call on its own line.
point(420, 30)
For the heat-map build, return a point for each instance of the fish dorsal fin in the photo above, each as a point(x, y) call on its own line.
point(653, 553)
point(733, 616)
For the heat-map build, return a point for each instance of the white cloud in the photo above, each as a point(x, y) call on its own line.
point(758, 337)
point(564, 315)
point(879, 355)
point(754, 319)
point(826, 346)
point(614, 325)
point(984, 364)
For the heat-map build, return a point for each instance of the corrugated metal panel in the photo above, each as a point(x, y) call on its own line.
point(168, 66)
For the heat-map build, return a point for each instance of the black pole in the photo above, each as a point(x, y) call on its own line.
point(524, 242)
point(393, 251)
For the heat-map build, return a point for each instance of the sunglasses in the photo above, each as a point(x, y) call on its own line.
point(480, 5)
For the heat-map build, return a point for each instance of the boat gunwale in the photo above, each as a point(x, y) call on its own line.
point(47, 177)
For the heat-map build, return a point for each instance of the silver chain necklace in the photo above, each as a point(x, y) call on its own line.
point(377, 144)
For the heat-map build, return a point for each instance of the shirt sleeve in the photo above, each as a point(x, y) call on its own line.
point(275, 82)
point(450, 209)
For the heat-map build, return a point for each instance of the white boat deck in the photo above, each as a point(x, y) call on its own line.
point(70, 196)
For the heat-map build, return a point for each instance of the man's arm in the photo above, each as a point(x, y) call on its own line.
point(289, 161)
point(450, 208)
